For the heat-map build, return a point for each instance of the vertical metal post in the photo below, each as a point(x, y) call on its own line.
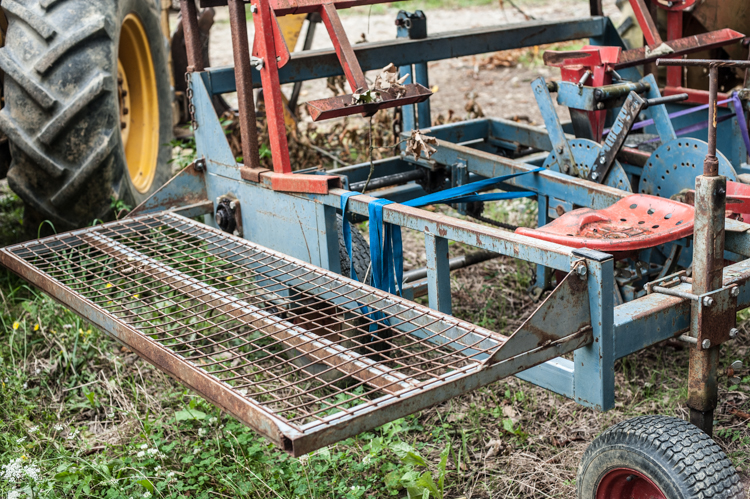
point(438, 273)
point(408, 121)
point(193, 43)
point(708, 254)
point(594, 383)
point(708, 263)
point(423, 108)
point(543, 274)
point(460, 176)
point(244, 81)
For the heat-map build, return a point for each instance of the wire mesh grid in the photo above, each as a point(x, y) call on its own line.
point(304, 344)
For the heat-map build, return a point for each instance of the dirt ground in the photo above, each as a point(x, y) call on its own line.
point(501, 92)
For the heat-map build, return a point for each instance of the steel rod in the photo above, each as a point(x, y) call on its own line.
point(454, 264)
point(389, 180)
point(193, 43)
point(244, 78)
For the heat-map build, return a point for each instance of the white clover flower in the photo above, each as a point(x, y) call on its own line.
point(170, 474)
point(152, 451)
point(20, 440)
point(33, 429)
point(25, 386)
point(157, 468)
point(33, 472)
point(211, 420)
point(144, 446)
point(13, 471)
point(367, 459)
point(14, 494)
point(58, 427)
point(140, 454)
point(67, 326)
point(111, 415)
point(196, 450)
point(202, 432)
point(146, 494)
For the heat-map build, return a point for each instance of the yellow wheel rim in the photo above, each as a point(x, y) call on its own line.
point(139, 103)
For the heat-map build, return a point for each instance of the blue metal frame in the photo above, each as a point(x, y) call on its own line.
point(303, 225)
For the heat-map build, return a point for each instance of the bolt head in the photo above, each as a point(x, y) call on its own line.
point(602, 160)
point(581, 270)
point(706, 344)
point(595, 175)
point(733, 332)
point(735, 292)
point(708, 301)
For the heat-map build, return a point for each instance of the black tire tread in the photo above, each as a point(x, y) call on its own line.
point(360, 252)
point(697, 460)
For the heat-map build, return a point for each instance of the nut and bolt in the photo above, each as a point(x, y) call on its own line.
point(733, 332)
point(706, 344)
point(735, 292)
point(707, 301)
point(581, 271)
point(595, 175)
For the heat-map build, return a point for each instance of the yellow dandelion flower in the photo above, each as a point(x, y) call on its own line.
point(229, 278)
point(16, 325)
point(135, 296)
point(36, 327)
point(109, 285)
point(24, 457)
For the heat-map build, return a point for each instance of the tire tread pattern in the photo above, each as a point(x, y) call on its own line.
point(697, 460)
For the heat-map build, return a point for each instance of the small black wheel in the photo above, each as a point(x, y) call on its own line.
point(656, 457)
point(360, 252)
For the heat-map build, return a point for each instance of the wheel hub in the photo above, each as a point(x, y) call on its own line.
point(624, 483)
point(139, 103)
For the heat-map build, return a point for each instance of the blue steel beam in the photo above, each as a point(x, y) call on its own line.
point(313, 64)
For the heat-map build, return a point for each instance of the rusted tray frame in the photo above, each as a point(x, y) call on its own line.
point(455, 356)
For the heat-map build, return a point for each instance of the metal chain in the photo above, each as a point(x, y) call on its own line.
point(191, 106)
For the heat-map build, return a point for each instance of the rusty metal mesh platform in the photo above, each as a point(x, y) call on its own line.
point(288, 348)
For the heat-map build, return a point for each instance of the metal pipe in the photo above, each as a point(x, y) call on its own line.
point(389, 180)
point(711, 164)
point(244, 78)
point(667, 99)
point(688, 339)
point(674, 292)
point(618, 90)
point(454, 264)
point(193, 43)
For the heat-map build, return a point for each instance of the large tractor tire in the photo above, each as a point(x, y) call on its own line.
point(87, 106)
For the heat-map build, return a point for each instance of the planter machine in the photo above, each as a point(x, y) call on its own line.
point(251, 311)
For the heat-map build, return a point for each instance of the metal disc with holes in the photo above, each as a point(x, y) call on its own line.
point(673, 167)
point(585, 153)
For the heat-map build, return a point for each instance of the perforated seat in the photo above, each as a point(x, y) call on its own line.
point(633, 223)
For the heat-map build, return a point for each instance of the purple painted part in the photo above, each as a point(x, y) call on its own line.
point(676, 114)
point(692, 128)
point(740, 111)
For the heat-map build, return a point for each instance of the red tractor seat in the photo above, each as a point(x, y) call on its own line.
point(633, 223)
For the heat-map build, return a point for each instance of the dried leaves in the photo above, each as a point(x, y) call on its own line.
point(388, 81)
point(417, 144)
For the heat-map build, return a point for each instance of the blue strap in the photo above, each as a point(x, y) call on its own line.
point(454, 195)
point(376, 317)
point(386, 250)
point(347, 230)
point(739, 109)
